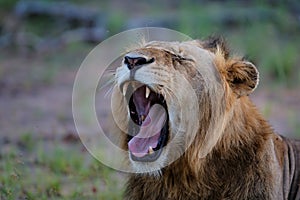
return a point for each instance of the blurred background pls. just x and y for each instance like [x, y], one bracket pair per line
[43, 42]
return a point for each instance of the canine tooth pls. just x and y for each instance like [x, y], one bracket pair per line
[143, 117]
[125, 89]
[147, 92]
[150, 150]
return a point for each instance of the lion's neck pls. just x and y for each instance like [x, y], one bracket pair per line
[241, 146]
[237, 159]
[244, 129]
[245, 126]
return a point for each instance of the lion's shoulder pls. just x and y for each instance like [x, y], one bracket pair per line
[291, 168]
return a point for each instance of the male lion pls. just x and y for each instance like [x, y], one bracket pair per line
[192, 131]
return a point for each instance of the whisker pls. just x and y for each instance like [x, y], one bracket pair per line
[108, 81]
[168, 91]
[111, 71]
[108, 92]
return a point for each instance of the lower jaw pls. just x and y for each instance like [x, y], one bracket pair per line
[156, 154]
[147, 158]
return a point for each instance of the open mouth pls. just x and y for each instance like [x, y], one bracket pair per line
[148, 127]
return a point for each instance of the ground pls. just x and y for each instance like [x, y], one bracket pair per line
[41, 156]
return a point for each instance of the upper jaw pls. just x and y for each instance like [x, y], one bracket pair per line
[132, 85]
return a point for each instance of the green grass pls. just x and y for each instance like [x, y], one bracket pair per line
[40, 169]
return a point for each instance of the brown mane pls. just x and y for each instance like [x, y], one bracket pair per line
[248, 160]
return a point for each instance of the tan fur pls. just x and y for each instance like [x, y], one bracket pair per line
[233, 152]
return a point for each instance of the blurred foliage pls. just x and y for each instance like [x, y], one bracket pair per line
[116, 22]
[42, 26]
[7, 4]
[266, 35]
[267, 32]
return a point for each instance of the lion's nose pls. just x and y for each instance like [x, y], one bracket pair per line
[132, 62]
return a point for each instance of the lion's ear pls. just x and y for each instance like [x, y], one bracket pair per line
[243, 77]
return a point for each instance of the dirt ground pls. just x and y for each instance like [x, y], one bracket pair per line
[34, 107]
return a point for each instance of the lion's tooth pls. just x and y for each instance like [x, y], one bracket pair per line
[147, 92]
[150, 150]
[125, 87]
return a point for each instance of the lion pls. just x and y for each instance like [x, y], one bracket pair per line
[191, 130]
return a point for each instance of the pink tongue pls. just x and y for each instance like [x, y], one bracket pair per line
[149, 132]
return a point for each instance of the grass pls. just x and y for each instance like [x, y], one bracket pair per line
[34, 168]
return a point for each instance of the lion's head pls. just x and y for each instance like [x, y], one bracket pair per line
[174, 99]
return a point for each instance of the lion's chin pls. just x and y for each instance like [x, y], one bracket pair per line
[151, 155]
[152, 168]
